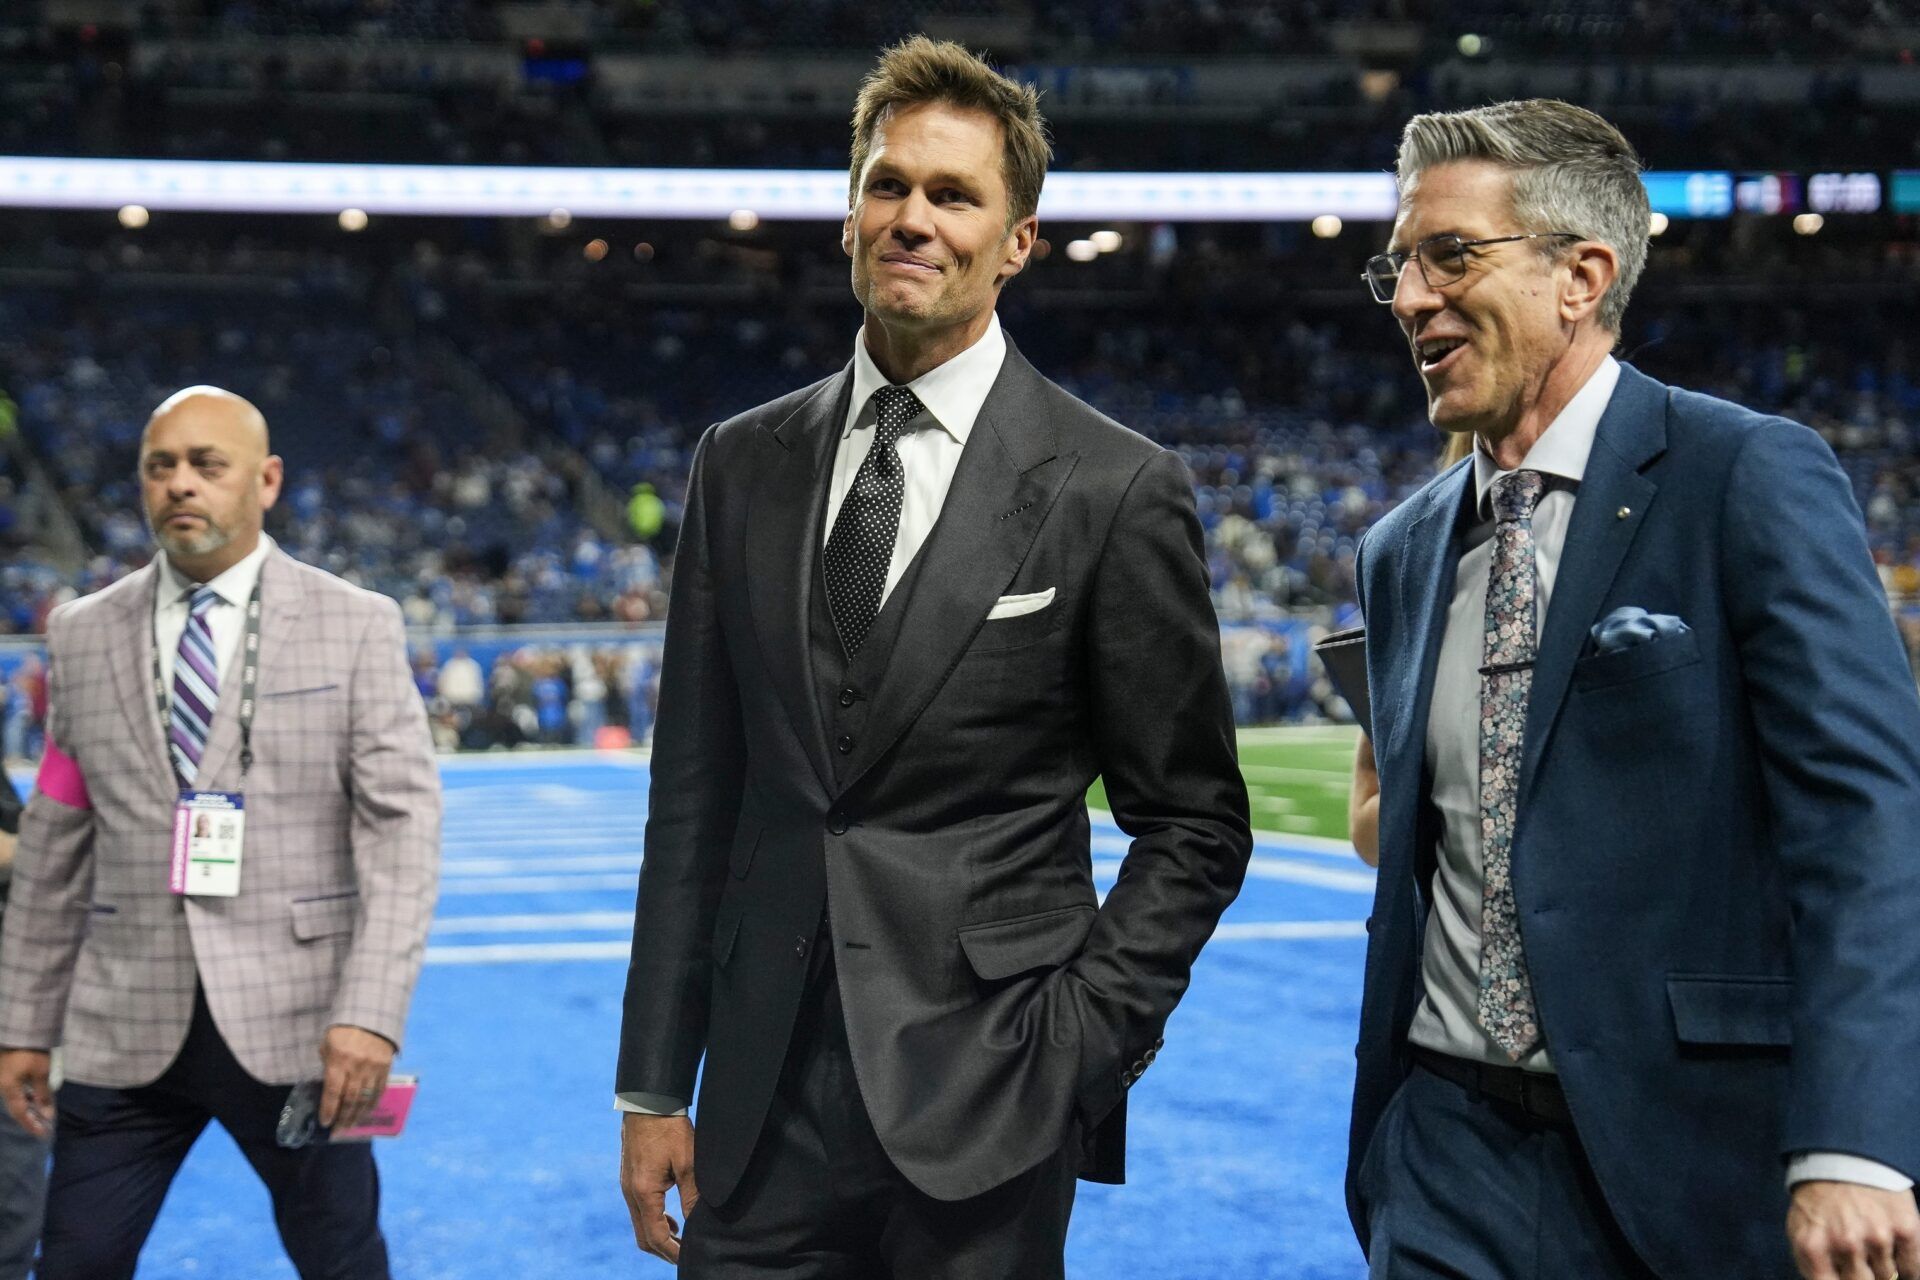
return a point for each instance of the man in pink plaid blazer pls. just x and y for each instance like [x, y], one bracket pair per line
[175, 1008]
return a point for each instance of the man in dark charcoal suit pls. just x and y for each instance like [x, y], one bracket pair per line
[917, 609]
[1643, 984]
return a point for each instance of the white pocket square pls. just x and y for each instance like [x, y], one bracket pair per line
[1014, 606]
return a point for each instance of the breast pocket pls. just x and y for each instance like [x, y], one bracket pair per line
[1604, 670]
[1020, 629]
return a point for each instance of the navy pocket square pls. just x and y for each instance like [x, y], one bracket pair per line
[1629, 626]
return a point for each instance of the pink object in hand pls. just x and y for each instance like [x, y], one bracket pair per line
[389, 1114]
[60, 779]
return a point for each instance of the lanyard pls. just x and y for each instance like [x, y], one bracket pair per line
[249, 678]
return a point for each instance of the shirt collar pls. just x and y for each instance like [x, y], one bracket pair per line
[1563, 448]
[235, 586]
[952, 392]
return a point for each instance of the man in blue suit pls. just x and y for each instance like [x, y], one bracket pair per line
[1643, 982]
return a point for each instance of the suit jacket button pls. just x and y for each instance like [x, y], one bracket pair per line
[837, 823]
[847, 696]
[845, 744]
[800, 948]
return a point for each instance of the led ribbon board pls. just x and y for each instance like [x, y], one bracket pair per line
[236, 186]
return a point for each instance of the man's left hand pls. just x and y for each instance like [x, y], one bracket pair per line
[357, 1063]
[1845, 1231]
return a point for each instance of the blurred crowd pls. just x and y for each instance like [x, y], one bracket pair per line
[382, 80]
[1124, 26]
[579, 693]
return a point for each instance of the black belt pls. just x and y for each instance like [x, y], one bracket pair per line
[1537, 1093]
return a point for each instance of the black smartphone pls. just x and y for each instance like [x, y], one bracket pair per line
[300, 1117]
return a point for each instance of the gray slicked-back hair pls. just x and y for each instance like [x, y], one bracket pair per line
[1572, 171]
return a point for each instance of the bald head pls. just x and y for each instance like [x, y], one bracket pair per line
[215, 409]
[207, 478]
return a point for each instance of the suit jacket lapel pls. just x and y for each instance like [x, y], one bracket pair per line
[1428, 566]
[1007, 480]
[784, 512]
[1612, 504]
[132, 680]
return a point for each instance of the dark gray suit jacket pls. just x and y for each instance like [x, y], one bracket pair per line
[991, 1000]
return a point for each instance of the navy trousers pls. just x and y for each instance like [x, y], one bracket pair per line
[1463, 1187]
[115, 1152]
[821, 1201]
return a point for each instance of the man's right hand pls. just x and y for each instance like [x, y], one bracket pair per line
[656, 1152]
[26, 1088]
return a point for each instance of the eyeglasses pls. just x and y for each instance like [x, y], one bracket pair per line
[1442, 258]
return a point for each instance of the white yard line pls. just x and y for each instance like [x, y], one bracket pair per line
[557, 862]
[560, 920]
[462, 887]
[1281, 930]
[534, 952]
[527, 952]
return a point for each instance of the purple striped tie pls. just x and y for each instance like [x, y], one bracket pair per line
[196, 688]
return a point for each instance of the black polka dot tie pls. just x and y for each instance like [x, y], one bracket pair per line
[860, 548]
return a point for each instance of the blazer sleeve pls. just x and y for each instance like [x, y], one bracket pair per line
[698, 768]
[395, 832]
[46, 916]
[1838, 723]
[1164, 740]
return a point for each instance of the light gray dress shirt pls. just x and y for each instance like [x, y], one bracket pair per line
[952, 394]
[1446, 1020]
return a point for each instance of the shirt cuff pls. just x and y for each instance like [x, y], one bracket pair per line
[649, 1104]
[1833, 1166]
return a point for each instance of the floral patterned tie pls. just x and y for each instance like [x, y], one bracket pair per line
[1505, 1007]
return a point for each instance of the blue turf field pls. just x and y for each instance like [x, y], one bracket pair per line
[507, 1172]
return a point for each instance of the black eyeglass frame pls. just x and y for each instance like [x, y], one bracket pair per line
[1397, 260]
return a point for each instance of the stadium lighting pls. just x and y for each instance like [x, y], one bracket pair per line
[595, 251]
[1808, 224]
[353, 219]
[743, 219]
[133, 217]
[1106, 241]
[1472, 46]
[558, 196]
[1327, 226]
[1082, 250]
[1658, 224]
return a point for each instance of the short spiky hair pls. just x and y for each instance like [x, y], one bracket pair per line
[1572, 171]
[919, 70]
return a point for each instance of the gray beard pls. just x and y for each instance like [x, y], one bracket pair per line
[200, 544]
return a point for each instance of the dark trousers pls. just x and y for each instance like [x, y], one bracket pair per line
[821, 1200]
[115, 1152]
[1459, 1186]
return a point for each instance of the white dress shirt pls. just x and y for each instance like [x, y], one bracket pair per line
[930, 450]
[227, 619]
[1446, 1020]
[952, 394]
